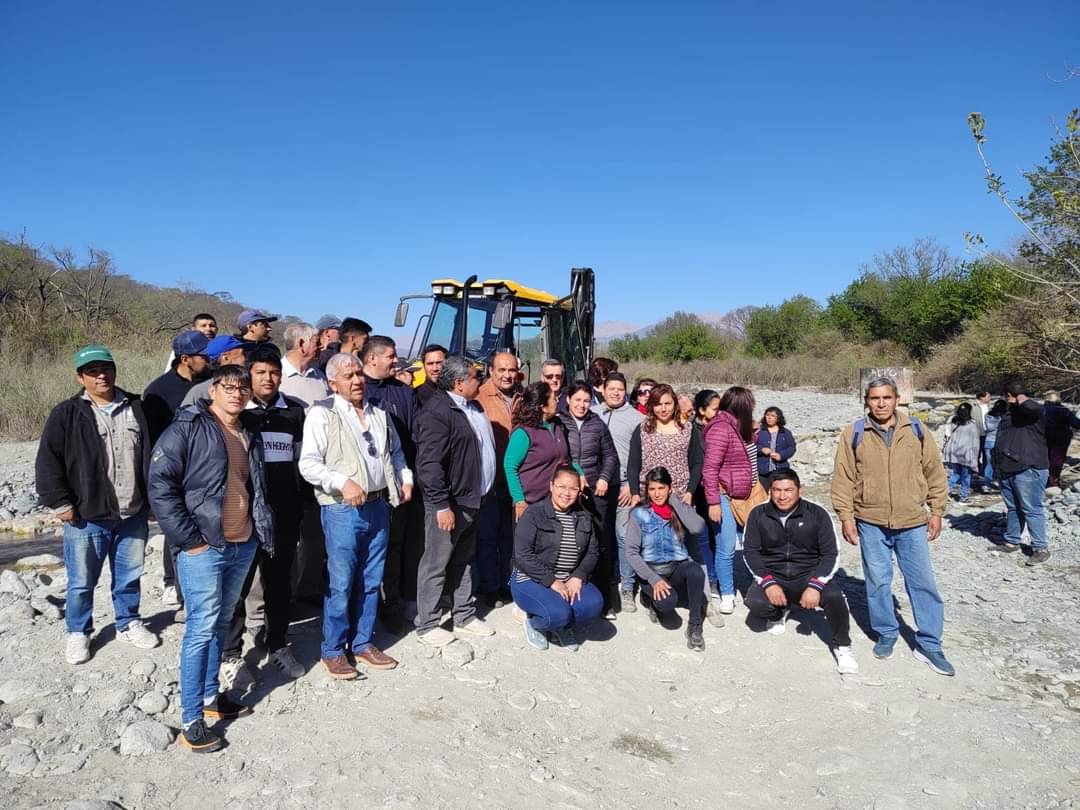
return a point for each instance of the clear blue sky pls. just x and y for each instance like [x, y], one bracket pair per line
[315, 157]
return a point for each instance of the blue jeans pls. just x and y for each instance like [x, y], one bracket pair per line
[626, 571]
[86, 547]
[549, 611]
[727, 536]
[494, 541]
[960, 474]
[988, 468]
[877, 544]
[212, 583]
[1023, 495]
[356, 540]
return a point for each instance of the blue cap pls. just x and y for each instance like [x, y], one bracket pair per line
[190, 343]
[328, 322]
[249, 316]
[221, 344]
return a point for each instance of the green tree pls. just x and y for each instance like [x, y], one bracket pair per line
[780, 331]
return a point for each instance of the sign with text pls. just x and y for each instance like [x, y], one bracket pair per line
[902, 376]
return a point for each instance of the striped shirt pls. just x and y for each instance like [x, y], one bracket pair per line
[752, 454]
[567, 561]
[236, 510]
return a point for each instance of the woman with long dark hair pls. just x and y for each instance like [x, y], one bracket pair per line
[538, 445]
[961, 451]
[728, 472]
[775, 444]
[663, 439]
[660, 542]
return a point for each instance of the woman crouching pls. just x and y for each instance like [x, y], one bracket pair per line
[657, 550]
[554, 553]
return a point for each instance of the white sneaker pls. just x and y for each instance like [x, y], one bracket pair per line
[777, 628]
[474, 627]
[284, 660]
[712, 612]
[77, 649]
[845, 661]
[234, 674]
[170, 597]
[137, 635]
[519, 615]
[436, 637]
[727, 603]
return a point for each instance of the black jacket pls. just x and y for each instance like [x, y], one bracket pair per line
[161, 399]
[396, 398]
[592, 447]
[1060, 423]
[280, 429]
[803, 547]
[187, 482]
[537, 538]
[448, 460]
[1021, 439]
[71, 459]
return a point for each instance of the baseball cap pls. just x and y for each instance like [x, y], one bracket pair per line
[221, 344]
[249, 316]
[190, 343]
[90, 354]
[328, 322]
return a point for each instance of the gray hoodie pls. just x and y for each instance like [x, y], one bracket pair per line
[621, 422]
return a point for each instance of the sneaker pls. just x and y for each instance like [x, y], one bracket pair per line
[340, 669]
[225, 708]
[695, 640]
[536, 638]
[883, 647]
[1038, 556]
[519, 615]
[234, 674]
[845, 661]
[77, 649]
[714, 590]
[777, 627]
[474, 627]
[627, 599]
[610, 615]
[137, 635]
[284, 660]
[436, 637]
[169, 597]
[727, 603]
[566, 639]
[712, 612]
[935, 660]
[1009, 548]
[198, 739]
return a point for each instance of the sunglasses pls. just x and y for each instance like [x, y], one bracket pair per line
[371, 451]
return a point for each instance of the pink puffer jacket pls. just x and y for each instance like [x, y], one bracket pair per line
[727, 466]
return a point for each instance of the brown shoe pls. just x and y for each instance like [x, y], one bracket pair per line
[374, 658]
[339, 668]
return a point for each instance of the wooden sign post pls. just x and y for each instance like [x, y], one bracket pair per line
[902, 376]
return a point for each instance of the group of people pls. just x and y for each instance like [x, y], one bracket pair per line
[323, 467]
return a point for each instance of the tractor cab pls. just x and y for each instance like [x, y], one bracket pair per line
[478, 318]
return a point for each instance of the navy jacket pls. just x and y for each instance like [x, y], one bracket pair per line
[785, 446]
[537, 538]
[188, 469]
[448, 461]
[1021, 439]
[397, 399]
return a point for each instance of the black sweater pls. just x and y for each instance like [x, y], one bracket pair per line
[1021, 439]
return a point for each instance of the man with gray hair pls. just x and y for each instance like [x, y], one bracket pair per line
[888, 475]
[352, 456]
[455, 461]
[301, 378]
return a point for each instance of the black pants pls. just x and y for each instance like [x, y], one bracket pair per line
[605, 574]
[309, 568]
[168, 568]
[832, 602]
[275, 572]
[446, 569]
[403, 553]
[686, 581]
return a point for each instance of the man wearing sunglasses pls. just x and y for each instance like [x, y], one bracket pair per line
[352, 455]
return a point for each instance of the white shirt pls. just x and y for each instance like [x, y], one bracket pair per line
[308, 386]
[313, 451]
[478, 420]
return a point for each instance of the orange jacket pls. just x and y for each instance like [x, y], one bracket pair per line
[500, 415]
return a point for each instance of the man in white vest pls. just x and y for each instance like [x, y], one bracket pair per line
[352, 456]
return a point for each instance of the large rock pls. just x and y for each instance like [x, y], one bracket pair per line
[153, 703]
[40, 561]
[15, 690]
[145, 737]
[18, 759]
[12, 583]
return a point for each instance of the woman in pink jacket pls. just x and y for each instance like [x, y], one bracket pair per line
[728, 473]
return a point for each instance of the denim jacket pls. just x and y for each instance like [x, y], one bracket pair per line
[651, 540]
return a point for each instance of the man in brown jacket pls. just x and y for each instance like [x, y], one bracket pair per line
[495, 542]
[888, 473]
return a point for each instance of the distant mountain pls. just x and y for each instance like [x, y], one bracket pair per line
[733, 322]
[612, 329]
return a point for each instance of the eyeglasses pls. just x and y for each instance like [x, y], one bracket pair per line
[233, 389]
[371, 451]
[567, 490]
[552, 376]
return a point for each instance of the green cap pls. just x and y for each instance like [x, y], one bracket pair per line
[90, 354]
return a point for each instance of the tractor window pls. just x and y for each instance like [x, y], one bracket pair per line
[528, 343]
[444, 324]
[445, 327]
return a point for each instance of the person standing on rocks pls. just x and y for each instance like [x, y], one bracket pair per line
[1022, 462]
[455, 462]
[992, 420]
[208, 490]
[91, 470]
[961, 451]
[776, 445]
[495, 537]
[790, 549]
[622, 420]
[887, 473]
[555, 550]
[1060, 424]
[352, 456]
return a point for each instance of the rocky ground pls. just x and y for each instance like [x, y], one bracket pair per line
[634, 718]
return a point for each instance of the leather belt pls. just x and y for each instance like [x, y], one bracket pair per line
[377, 495]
